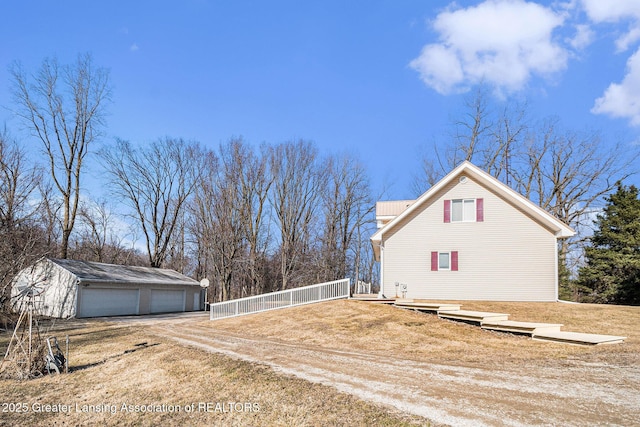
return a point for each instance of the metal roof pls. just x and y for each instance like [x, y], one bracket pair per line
[87, 271]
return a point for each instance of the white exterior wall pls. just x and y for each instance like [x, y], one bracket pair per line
[62, 295]
[507, 257]
[58, 298]
[145, 294]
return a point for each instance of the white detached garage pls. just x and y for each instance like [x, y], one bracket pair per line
[68, 288]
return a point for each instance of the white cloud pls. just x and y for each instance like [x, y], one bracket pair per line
[583, 38]
[626, 40]
[614, 11]
[622, 100]
[499, 42]
[611, 10]
[134, 47]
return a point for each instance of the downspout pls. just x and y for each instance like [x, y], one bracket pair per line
[75, 307]
[381, 293]
[557, 278]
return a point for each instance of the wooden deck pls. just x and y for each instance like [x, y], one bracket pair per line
[475, 317]
[372, 298]
[526, 328]
[578, 338]
[500, 322]
[435, 307]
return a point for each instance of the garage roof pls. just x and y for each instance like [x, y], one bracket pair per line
[87, 271]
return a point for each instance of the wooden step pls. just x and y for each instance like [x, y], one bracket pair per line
[427, 306]
[526, 328]
[578, 338]
[372, 298]
[475, 317]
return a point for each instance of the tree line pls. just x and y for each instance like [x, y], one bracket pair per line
[255, 219]
[251, 219]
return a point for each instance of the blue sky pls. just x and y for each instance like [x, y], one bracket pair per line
[382, 79]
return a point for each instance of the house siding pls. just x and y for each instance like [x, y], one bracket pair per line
[506, 257]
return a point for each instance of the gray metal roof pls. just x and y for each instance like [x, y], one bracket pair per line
[87, 271]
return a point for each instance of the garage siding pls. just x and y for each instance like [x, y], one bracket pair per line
[97, 302]
[167, 300]
[73, 288]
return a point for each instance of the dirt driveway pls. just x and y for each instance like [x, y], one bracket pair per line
[560, 393]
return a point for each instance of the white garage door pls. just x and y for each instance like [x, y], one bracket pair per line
[167, 300]
[95, 302]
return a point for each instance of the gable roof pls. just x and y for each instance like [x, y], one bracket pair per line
[87, 271]
[560, 229]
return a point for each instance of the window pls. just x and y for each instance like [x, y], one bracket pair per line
[443, 261]
[464, 210]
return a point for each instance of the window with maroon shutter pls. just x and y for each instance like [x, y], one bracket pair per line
[464, 210]
[447, 211]
[479, 210]
[444, 261]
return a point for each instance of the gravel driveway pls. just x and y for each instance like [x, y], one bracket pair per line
[563, 393]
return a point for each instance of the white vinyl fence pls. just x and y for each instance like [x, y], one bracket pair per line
[281, 299]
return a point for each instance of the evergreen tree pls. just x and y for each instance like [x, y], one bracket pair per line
[612, 270]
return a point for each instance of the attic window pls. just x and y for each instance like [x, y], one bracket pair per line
[464, 210]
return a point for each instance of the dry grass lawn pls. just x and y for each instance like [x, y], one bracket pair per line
[112, 366]
[116, 364]
[405, 333]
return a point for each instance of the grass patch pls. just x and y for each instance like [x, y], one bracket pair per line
[125, 364]
[120, 375]
[404, 333]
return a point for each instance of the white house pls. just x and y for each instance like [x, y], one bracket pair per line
[66, 288]
[469, 237]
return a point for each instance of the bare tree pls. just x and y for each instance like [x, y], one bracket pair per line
[486, 136]
[567, 174]
[218, 212]
[255, 182]
[156, 181]
[64, 107]
[347, 209]
[298, 181]
[564, 172]
[101, 237]
[21, 240]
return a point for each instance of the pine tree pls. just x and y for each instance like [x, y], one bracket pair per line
[612, 270]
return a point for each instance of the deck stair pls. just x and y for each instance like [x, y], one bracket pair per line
[577, 338]
[373, 298]
[474, 317]
[500, 322]
[525, 328]
[426, 306]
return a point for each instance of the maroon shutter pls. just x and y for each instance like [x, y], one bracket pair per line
[447, 211]
[479, 210]
[434, 261]
[454, 260]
